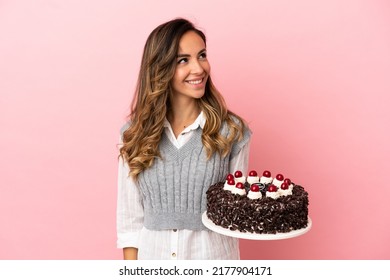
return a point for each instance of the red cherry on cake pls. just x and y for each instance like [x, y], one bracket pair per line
[253, 173]
[240, 185]
[255, 188]
[287, 181]
[238, 174]
[279, 177]
[229, 177]
[284, 186]
[231, 182]
[272, 188]
[267, 174]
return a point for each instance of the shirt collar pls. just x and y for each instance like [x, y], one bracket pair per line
[199, 122]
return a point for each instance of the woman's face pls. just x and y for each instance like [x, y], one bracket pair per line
[192, 68]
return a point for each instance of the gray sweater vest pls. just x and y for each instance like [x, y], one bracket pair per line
[174, 187]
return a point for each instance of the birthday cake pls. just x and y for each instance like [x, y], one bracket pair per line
[262, 205]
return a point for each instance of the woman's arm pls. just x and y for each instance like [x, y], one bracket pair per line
[241, 160]
[130, 212]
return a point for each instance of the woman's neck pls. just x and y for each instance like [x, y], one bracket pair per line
[182, 115]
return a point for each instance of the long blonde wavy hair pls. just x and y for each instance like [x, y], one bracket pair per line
[151, 102]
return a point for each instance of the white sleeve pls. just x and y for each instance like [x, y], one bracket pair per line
[241, 160]
[130, 211]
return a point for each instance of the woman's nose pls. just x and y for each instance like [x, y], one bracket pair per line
[196, 67]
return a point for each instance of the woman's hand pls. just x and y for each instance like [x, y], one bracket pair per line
[130, 253]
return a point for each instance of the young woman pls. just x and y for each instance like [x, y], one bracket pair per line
[179, 140]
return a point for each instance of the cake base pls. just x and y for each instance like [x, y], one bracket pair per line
[254, 236]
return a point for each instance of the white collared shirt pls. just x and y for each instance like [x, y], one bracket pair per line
[170, 244]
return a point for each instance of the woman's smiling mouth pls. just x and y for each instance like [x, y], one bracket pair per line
[195, 82]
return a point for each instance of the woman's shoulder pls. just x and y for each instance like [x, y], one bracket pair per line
[238, 121]
[124, 128]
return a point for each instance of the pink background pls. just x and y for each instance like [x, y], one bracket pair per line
[311, 78]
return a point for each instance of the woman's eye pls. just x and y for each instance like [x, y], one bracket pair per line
[183, 60]
[203, 55]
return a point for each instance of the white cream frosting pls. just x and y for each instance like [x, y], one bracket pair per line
[253, 179]
[265, 180]
[228, 187]
[239, 191]
[277, 182]
[285, 192]
[273, 195]
[254, 195]
[240, 180]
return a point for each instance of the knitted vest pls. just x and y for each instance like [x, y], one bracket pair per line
[174, 187]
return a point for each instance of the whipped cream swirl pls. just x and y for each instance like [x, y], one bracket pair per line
[254, 195]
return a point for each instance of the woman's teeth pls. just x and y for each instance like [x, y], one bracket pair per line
[195, 82]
